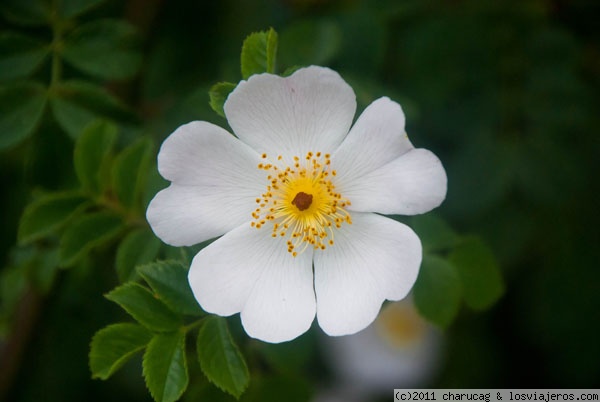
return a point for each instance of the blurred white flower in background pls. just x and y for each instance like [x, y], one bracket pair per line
[399, 350]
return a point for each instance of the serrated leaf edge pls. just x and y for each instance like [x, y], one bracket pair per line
[135, 284]
[145, 367]
[236, 350]
[140, 270]
[270, 38]
[120, 362]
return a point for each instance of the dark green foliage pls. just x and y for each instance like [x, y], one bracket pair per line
[92, 156]
[21, 108]
[49, 213]
[139, 247]
[479, 273]
[310, 42]
[129, 172]
[76, 104]
[20, 55]
[87, 232]
[104, 48]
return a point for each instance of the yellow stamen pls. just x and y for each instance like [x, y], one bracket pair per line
[302, 202]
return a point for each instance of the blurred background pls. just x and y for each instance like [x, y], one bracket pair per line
[506, 93]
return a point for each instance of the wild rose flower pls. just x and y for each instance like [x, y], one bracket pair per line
[296, 198]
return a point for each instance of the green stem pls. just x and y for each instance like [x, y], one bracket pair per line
[131, 218]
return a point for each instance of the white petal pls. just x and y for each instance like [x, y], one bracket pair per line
[376, 138]
[188, 215]
[215, 184]
[311, 110]
[373, 259]
[250, 272]
[201, 153]
[412, 184]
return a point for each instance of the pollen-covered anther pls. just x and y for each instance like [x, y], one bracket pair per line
[301, 201]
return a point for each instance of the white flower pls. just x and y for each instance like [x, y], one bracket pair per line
[401, 350]
[296, 198]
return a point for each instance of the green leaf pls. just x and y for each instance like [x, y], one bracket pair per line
[73, 8]
[169, 280]
[437, 291]
[106, 49]
[47, 214]
[92, 155]
[21, 108]
[479, 272]
[129, 172]
[39, 266]
[20, 55]
[220, 358]
[259, 52]
[85, 233]
[76, 104]
[138, 247]
[154, 183]
[434, 232]
[310, 42]
[114, 345]
[290, 70]
[165, 367]
[26, 12]
[218, 95]
[44, 269]
[144, 307]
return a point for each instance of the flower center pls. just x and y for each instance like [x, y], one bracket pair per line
[301, 202]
